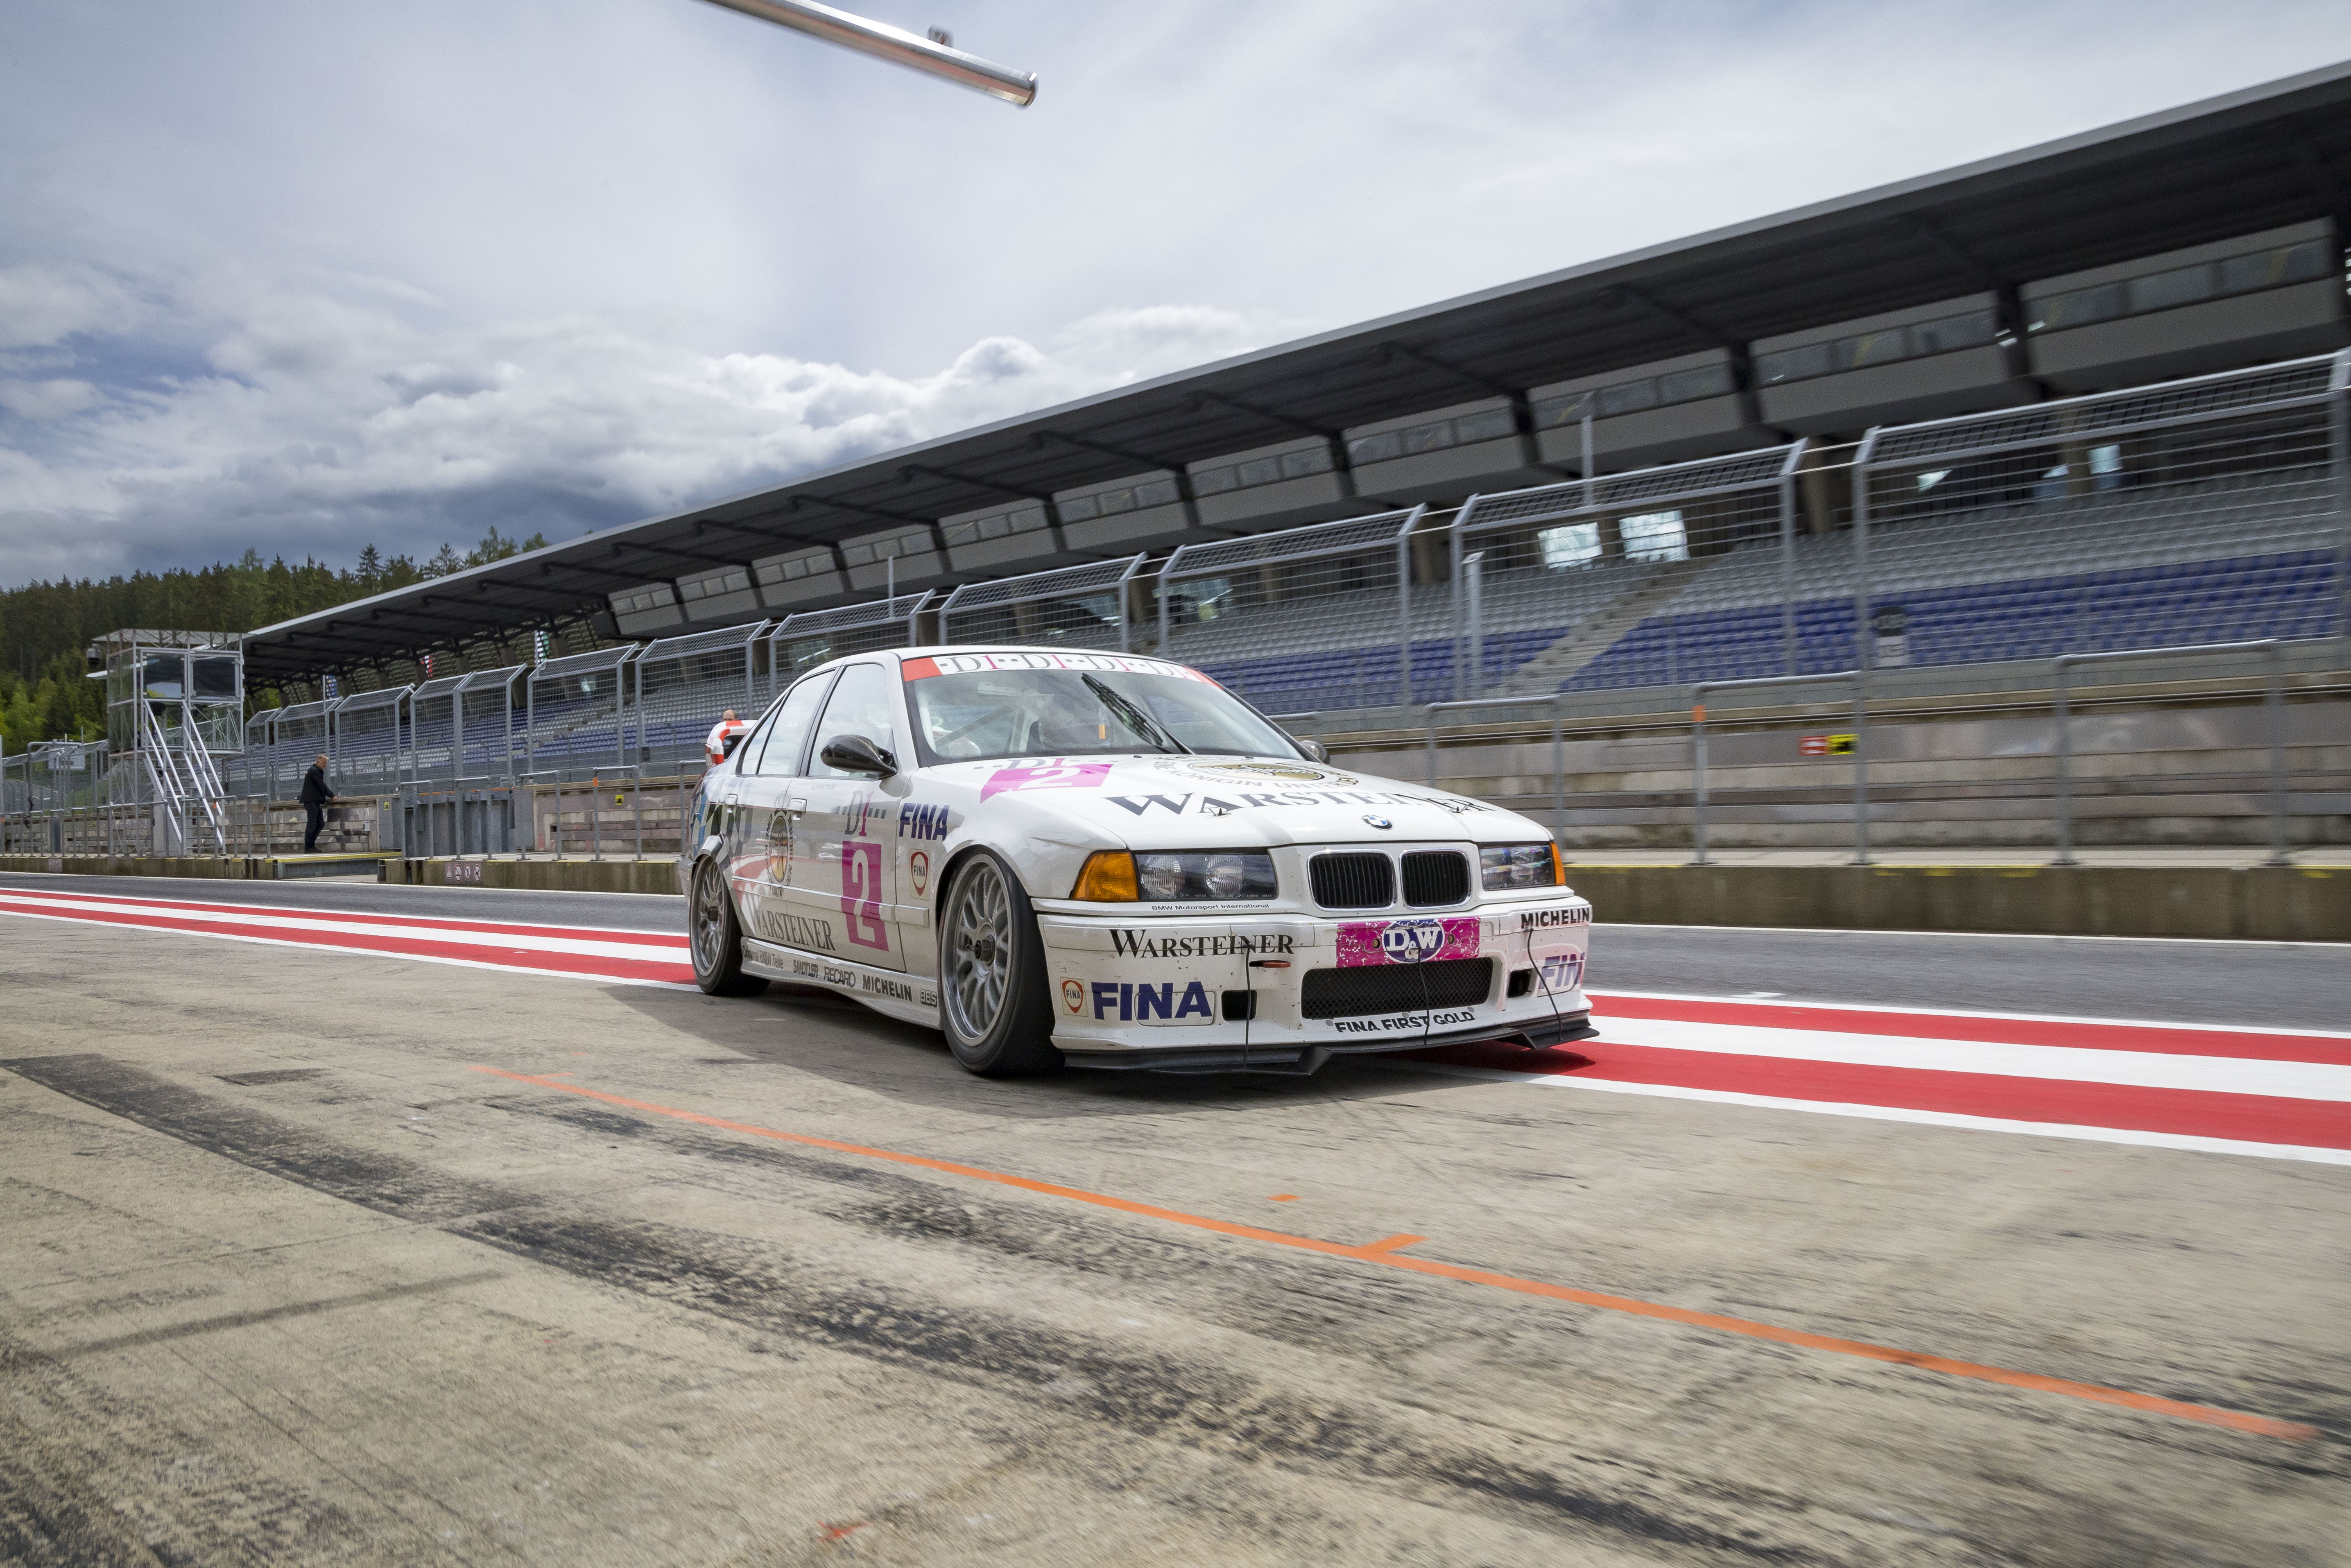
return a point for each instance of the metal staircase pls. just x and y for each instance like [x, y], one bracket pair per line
[184, 780]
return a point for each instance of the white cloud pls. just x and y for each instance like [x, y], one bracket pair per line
[46, 399]
[305, 276]
[321, 423]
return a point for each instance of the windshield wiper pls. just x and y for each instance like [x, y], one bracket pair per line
[1134, 717]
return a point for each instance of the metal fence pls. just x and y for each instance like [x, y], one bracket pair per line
[369, 744]
[1309, 618]
[1089, 606]
[803, 642]
[679, 685]
[1553, 586]
[576, 714]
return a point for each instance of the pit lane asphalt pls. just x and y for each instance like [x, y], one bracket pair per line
[284, 1279]
[2268, 985]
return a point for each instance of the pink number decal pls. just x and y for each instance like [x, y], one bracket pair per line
[861, 888]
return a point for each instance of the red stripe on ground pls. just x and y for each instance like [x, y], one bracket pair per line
[1989, 1028]
[584, 964]
[2193, 1113]
[442, 923]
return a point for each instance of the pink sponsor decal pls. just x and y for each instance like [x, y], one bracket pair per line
[1056, 774]
[1416, 941]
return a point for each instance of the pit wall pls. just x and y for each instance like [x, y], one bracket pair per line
[2274, 904]
[2159, 777]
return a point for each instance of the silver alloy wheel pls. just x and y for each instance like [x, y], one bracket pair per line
[710, 930]
[979, 950]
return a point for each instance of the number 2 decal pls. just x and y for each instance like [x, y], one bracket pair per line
[861, 888]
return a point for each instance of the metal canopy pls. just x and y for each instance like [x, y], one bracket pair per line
[2255, 160]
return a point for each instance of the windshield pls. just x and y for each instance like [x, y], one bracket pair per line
[968, 706]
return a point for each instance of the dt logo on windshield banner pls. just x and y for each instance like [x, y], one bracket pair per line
[1363, 942]
[860, 893]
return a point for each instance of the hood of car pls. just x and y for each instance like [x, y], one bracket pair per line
[1224, 801]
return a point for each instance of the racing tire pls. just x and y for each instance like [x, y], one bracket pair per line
[715, 936]
[993, 1004]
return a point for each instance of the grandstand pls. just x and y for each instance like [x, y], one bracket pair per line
[2087, 397]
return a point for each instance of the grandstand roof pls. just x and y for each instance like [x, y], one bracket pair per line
[2258, 159]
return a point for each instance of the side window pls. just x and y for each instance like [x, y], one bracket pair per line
[787, 735]
[861, 705]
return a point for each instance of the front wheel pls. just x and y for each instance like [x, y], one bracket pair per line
[717, 937]
[992, 1003]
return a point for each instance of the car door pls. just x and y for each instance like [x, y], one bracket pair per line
[843, 878]
[772, 802]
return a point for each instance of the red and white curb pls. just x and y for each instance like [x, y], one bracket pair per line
[2264, 1092]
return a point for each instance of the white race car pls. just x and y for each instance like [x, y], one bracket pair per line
[1056, 856]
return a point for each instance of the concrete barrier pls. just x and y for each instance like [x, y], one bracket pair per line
[2276, 904]
[545, 876]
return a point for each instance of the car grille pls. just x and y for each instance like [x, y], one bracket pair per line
[1432, 877]
[1396, 987]
[1352, 881]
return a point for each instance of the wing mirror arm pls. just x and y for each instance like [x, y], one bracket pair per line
[855, 754]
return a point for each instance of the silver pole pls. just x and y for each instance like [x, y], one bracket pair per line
[2065, 762]
[932, 56]
[1698, 770]
[1558, 773]
[1474, 587]
[2275, 702]
[2338, 432]
[1860, 768]
[1788, 566]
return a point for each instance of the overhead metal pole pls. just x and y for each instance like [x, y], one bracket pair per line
[933, 56]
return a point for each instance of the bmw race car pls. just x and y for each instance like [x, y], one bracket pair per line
[1056, 856]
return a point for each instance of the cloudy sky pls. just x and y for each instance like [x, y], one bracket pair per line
[305, 276]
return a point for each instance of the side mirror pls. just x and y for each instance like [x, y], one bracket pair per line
[855, 754]
[726, 747]
[1315, 749]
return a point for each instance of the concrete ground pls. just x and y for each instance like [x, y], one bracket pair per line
[284, 1279]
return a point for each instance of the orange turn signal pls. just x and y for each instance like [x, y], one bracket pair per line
[1108, 878]
[1558, 867]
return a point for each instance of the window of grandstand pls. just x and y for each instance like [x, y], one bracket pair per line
[657, 597]
[1463, 430]
[735, 580]
[1633, 397]
[996, 526]
[1201, 600]
[1576, 544]
[793, 567]
[1655, 535]
[2274, 267]
[1258, 471]
[1970, 329]
[883, 547]
[1124, 498]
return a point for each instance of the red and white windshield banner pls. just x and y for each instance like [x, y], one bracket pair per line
[923, 668]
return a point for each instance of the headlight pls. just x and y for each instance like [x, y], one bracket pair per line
[1166, 875]
[1507, 866]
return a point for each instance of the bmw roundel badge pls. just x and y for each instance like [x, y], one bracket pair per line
[1379, 822]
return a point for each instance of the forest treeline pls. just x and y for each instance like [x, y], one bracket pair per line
[44, 627]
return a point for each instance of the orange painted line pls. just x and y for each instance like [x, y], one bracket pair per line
[1283, 1197]
[1376, 1248]
[2235, 1420]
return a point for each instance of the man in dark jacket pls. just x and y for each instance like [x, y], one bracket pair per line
[314, 796]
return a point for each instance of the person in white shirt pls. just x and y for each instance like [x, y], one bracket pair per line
[725, 730]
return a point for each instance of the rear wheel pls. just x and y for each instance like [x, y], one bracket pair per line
[717, 937]
[992, 1001]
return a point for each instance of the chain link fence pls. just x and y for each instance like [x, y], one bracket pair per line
[1090, 606]
[1305, 619]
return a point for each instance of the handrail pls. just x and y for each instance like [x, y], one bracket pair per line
[2273, 704]
[1860, 752]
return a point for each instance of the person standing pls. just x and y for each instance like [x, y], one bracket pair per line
[724, 731]
[314, 796]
